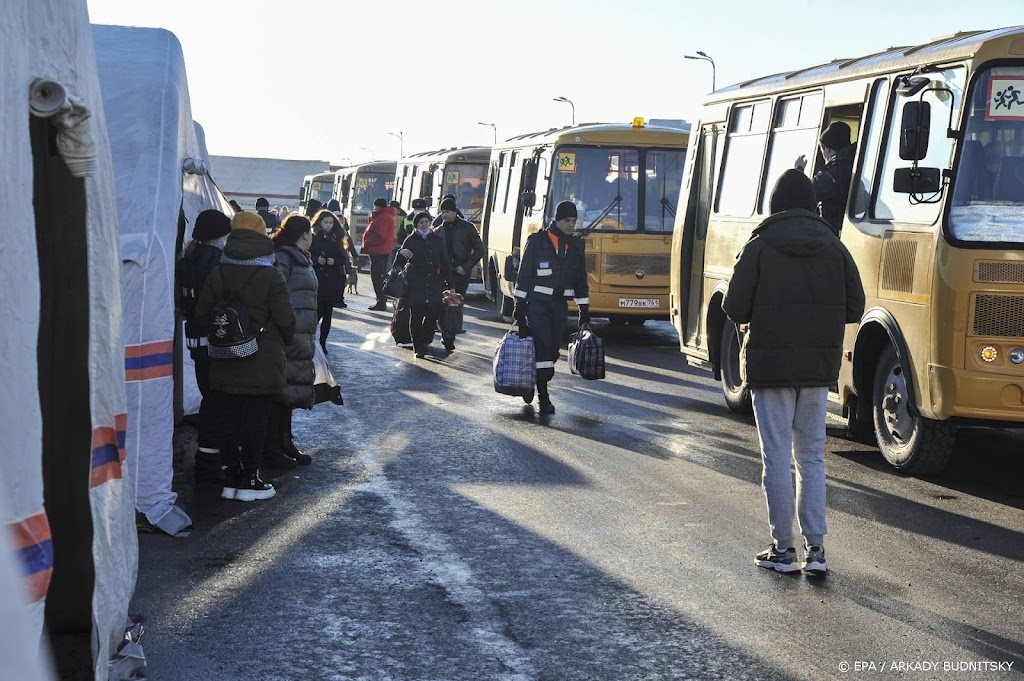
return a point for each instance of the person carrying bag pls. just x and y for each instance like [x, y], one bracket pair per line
[514, 365]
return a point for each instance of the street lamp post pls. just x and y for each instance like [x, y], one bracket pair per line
[401, 143]
[493, 127]
[704, 57]
[368, 151]
[569, 102]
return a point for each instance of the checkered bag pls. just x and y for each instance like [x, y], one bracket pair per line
[515, 365]
[586, 354]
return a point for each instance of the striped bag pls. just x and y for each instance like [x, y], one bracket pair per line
[515, 368]
[586, 354]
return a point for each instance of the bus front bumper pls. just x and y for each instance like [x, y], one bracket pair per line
[631, 304]
[975, 395]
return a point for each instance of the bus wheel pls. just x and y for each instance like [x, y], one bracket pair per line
[637, 321]
[735, 391]
[502, 304]
[617, 319]
[912, 444]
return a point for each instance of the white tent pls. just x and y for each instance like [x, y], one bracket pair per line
[162, 185]
[63, 408]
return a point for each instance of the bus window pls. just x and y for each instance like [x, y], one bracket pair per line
[989, 184]
[892, 206]
[468, 182]
[795, 133]
[369, 187]
[664, 177]
[864, 178]
[603, 183]
[497, 181]
[741, 166]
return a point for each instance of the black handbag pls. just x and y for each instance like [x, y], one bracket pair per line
[395, 285]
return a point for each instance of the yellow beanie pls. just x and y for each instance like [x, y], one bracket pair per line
[250, 221]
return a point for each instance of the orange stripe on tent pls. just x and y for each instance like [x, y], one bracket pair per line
[38, 584]
[30, 531]
[103, 474]
[148, 373]
[149, 348]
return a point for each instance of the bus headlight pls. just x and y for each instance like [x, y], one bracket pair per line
[1017, 355]
[989, 354]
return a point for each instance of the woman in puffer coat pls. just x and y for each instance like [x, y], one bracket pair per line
[331, 268]
[292, 241]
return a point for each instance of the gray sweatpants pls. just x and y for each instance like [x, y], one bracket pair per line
[791, 425]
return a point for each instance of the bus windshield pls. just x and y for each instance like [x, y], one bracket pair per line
[468, 182]
[603, 183]
[988, 194]
[368, 188]
[321, 191]
[664, 170]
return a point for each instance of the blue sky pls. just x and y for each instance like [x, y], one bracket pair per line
[326, 79]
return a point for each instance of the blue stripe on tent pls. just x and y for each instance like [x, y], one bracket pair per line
[161, 359]
[105, 454]
[37, 557]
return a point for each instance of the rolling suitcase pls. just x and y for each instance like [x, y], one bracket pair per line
[400, 323]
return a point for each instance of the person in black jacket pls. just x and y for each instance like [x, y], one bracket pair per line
[428, 275]
[793, 289]
[832, 182]
[200, 258]
[552, 270]
[331, 266]
[464, 249]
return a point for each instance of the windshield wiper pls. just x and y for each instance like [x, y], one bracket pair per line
[604, 213]
[668, 206]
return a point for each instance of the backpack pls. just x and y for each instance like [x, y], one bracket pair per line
[190, 275]
[231, 334]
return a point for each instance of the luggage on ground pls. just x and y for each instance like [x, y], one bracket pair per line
[450, 322]
[515, 365]
[586, 354]
[400, 323]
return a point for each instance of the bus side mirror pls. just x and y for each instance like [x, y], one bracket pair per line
[916, 180]
[529, 199]
[914, 130]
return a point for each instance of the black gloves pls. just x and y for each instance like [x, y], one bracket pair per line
[584, 315]
[519, 313]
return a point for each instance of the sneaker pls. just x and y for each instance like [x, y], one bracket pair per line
[814, 561]
[252, 488]
[774, 559]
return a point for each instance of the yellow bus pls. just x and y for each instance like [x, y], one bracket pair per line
[934, 220]
[356, 188]
[460, 171]
[319, 187]
[624, 180]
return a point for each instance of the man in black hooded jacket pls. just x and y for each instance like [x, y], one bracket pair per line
[795, 287]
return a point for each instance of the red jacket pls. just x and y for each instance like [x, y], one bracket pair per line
[379, 237]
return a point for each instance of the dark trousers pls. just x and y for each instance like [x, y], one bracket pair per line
[210, 434]
[243, 426]
[423, 323]
[278, 423]
[378, 272]
[324, 316]
[547, 320]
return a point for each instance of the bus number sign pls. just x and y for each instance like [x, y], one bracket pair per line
[361, 183]
[316, 186]
[1005, 99]
[567, 162]
[452, 177]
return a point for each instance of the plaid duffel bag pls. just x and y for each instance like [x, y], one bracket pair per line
[586, 354]
[515, 365]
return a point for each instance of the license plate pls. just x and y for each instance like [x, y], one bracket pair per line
[639, 302]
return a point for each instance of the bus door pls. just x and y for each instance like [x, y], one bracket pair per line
[695, 231]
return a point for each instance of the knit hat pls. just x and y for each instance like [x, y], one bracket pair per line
[448, 196]
[419, 204]
[420, 216]
[448, 204]
[836, 136]
[793, 190]
[211, 224]
[262, 203]
[251, 221]
[380, 203]
[565, 209]
[334, 206]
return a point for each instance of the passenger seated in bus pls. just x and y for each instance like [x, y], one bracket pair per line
[832, 182]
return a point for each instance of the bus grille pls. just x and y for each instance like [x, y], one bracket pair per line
[999, 272]
[591, 262]
[1000, 316]
[631, 264]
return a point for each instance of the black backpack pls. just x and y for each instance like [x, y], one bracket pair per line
[231, 334]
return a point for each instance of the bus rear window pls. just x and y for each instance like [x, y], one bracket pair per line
[988, 189]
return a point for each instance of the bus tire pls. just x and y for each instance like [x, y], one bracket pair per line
[617, 319]
[502, 304]
[637, 321]
[734, 388]
[914, 445]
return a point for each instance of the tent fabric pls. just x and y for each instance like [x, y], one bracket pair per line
[163, 183]
[30, 34]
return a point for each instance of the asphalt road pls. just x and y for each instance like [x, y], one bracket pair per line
[448, 532]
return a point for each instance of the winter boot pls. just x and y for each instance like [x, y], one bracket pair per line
[232, 479]
[288, 445]
[274, 456]
[545, 400]
[252, 488]
[208, 469]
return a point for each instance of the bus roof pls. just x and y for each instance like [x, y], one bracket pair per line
[602, 133]
[468, 154]
[369, 167]
[947, 48]
[320, 177]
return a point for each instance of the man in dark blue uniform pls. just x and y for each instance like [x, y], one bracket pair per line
[552, 270]
[832, 182]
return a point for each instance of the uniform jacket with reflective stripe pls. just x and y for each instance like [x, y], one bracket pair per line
[543, 275]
